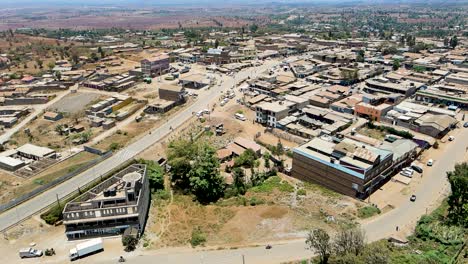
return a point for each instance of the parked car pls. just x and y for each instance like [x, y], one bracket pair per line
[413, 198]
[430, 162]
[30, 253]
[451, 138]
[406, 174]
[416, 167]
[465, 124]
[409, 170]
[240, 117]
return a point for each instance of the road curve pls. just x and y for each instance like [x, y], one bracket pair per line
[432, 188]
[30, 207]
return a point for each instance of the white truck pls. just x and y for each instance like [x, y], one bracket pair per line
[30, 253]
[86, 248]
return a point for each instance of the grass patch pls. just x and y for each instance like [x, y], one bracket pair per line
[272, 183]
[323, 190]
[368, 211]
[198, 237]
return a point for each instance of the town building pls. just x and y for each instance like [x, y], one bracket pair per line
[372, 112]
[269, 113]
[118, 203]
[156, 65]
[348, 167]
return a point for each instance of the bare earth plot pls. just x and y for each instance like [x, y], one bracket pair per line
[74, 103]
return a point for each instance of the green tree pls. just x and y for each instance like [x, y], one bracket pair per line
[205, 180]
[155, 176]
[418, 68]
[58, 75]
[129, 242]
[318, 240]
[101, 52]
[246, 159]
[458, 199]
[360, 56]
[238, 176]
[349, 241]
[179, 157]
[75, 58]
[376, 253]
[253, 28]
[266, 158]
[51, 65]
[94, 57]
[396, 65]
[454, 42]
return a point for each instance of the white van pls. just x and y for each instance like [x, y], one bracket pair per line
[240, 117]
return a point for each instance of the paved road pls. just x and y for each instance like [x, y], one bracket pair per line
[205, 97]
[433, 186]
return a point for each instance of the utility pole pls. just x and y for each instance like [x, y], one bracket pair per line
[58, 200]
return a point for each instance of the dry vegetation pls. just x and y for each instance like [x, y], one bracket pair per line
[12, 186]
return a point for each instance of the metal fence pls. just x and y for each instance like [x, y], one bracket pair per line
[74, 194]
[42, 188]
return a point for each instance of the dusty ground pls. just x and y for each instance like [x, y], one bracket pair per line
[13, 186]
[281, 215]
[42, 132]
[76, 102]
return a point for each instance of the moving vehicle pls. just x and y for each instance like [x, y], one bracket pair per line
[240, 117]
[268, 247]
[430, 162]
[86, 248]
[30, 253]
[451, 138]
[413, 198]
[184, 70]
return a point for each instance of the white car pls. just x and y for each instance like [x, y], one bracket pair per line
[406, 174]
[451, 138]
[409, 170]
[430, 162]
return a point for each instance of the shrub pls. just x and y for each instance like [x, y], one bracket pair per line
[114, 146]
[162, 194]
[129, 242]
[198, 237]
[301, 192]
[53, 215]
[256, 201]
[368, 211]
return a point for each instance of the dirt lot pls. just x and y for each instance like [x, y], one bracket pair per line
[273, 212]
[75, 102]
[373, 133]
[14, 186]
[279, 212]
[43, 132]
